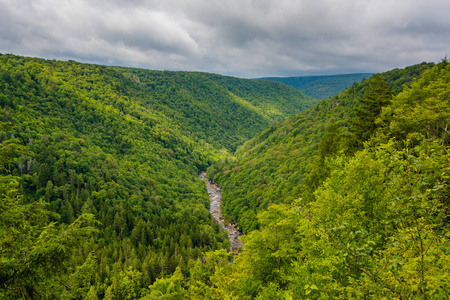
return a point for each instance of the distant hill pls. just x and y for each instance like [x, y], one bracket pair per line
[223, 111]
[321, 87]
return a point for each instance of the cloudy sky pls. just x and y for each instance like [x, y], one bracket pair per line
[245, 38]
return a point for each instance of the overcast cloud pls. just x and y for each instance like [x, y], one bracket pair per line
[243, 38]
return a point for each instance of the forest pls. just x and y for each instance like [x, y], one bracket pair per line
[99, 188]
[277, 164]
[349, 199]
[346, 198]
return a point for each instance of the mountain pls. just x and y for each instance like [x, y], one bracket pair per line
[321, 87]
[332, 213]
[223, 111]
[271, 167]
[99, 188]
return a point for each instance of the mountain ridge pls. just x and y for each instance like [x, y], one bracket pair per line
[321, 86]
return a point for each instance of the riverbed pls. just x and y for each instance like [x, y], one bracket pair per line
[215, 197]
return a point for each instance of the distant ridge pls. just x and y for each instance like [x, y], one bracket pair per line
[321, 87]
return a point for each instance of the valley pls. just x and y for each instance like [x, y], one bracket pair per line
[126, 183]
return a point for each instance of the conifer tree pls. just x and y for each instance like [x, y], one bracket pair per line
[369, 107]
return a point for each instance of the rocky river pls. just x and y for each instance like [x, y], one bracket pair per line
[216, 201]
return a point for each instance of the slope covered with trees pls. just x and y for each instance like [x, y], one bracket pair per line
[273, 166]
[223, 111]
[375, 226]
[99, 195]
[322, 87]
[99, 189]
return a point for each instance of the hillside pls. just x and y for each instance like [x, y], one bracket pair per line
[362, 185]
[321, 87]
[223, 111]
[99, 188]
[271, 167]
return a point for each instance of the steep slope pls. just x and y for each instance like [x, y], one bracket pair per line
[223, 111]
[321, 87]
[271, 168]
[80, 143]
[378, 224]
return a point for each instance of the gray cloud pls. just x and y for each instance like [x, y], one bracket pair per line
[247, 38]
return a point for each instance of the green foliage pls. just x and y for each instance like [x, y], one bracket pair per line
[223, 111]
[384, 212]
[329, 147]
[288, 160]
[99, 195]
[421, 109]
[378, 228]
[35, 253]
[371, 223]
[123, 146]
[170, 288]
[376, 96]
[269, 253]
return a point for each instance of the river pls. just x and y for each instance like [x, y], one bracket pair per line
[216, 201]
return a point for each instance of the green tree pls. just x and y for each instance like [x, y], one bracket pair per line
[169, 288]
[421, 109]
[328, 147]
[34, 252]
[376, 96]
[384, 213]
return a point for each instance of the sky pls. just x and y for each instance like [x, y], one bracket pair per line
[243, 38]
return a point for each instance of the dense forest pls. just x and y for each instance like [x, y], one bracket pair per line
[99, 188]
[100, 198]
[349, 199]
[322, 87]
[274, 165]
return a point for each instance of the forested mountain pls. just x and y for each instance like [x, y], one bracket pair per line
[99, 188]
[273, 166]
[223, 111]
[99, 195]
[359, 215]
[322, 87]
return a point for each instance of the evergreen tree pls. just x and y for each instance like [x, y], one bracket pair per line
[328, 147]
[363, 125]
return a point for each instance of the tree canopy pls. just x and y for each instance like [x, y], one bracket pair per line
[100, 196]
[99, 187]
